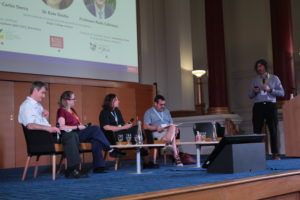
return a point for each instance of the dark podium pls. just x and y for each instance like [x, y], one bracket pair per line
[237, 153]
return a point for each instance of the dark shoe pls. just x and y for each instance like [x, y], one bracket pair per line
[150, 165]
[75, 173]
[117, 154]
[153, 165]
[146, 166]
[275, 157]
[99, 170]
[144, 152]
[83, 174]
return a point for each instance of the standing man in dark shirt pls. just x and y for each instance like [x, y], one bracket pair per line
[263, 91]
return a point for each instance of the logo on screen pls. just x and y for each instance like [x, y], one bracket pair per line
[56, 42]
[93, 46]
[1, 34]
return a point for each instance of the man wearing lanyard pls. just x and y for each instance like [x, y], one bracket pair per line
[158, 120]
[263, 91]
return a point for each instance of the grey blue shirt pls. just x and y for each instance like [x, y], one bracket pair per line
[156, 118]
[262, 96]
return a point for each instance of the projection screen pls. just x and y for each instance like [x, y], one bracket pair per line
[75, 38]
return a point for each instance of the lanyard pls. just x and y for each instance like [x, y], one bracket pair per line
[114, 114]
[74, 115]
[160, 117]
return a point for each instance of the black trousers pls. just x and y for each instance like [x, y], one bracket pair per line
[113, 136]
[266, 111]
[70, 142]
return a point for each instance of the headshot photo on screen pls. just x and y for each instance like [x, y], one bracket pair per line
[102, 9]
[58, 4]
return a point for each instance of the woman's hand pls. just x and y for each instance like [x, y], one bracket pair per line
[81, 127]
[127, 126]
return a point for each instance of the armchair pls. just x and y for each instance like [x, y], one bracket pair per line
[40, 143]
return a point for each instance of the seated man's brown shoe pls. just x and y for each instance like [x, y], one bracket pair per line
[275, 157]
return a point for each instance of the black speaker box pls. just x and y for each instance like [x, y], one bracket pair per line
[235, 158]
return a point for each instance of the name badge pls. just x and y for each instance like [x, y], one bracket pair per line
[164, 125]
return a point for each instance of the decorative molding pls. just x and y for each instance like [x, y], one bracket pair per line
[218, 110]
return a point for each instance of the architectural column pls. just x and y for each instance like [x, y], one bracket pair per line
[283, 46]
[217, 84]
[179, 60]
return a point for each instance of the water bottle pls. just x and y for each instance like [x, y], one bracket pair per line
[139, 134]
[198, 136]
[214, 134]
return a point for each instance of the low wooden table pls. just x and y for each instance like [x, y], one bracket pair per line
[139, 146]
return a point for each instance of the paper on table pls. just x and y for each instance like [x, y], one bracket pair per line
[167, 126]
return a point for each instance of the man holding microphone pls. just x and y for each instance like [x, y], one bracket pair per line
[263, 91]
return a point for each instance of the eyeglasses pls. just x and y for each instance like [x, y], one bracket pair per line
[72, 99]
[162, 104]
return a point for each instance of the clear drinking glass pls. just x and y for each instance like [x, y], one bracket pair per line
[120, 138]
[128, 137]
[203, 136]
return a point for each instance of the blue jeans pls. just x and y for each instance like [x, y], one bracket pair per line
[94, 135]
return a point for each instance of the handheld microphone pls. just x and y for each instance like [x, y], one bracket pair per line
[264, 81]
[131, 120]
[57, 135]
[88, 124]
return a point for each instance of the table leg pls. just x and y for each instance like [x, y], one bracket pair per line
[198, 155]
[138, 160]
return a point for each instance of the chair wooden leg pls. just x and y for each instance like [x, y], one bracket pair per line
[105, 155]
[66, 163]
[165, 158]
[53, 167]
[117, 164]
[82, 162]
[154, 155]
[62, 159]
[26, 168]
[36, 166]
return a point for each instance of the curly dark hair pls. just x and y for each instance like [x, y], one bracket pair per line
[261, 62]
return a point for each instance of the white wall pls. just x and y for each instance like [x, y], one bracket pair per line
[247, 39]
[166, 50]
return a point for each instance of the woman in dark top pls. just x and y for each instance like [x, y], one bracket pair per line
[113, 124]
[69, 120]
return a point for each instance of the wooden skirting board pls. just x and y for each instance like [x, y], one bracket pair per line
[277, 186]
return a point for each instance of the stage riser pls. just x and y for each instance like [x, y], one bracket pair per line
[280, 186]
